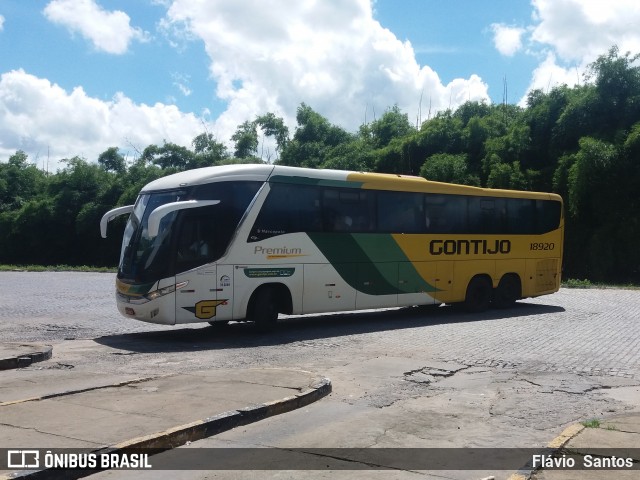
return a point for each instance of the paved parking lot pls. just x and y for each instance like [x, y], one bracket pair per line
[587, 331]
[411, 377]
[583, 331]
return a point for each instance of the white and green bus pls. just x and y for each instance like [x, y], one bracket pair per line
[247, 242]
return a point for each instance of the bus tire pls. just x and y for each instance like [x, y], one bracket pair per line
[479, 294]
[509, 290]
[264, 310]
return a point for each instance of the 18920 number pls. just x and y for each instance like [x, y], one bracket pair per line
[542, 246]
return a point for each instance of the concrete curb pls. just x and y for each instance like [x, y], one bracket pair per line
[190, 432]
[41, 353]
[525, 472]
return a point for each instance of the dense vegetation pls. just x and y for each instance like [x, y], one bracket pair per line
[582, 142]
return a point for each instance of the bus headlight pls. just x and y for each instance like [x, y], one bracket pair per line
[152, 295]
[165, 291]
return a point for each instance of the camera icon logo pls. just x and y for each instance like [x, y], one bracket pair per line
[23, 459]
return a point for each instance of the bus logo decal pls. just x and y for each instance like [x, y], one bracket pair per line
[205, 309]
[225, 281]
[469, 247]
[278, 253]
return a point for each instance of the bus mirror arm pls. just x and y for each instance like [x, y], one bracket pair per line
[110, 215]
[163, 210]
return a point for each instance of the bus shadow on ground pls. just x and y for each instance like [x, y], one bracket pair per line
[309, 327]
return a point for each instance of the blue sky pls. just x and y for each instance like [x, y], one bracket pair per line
[79, 76]
[456, 40]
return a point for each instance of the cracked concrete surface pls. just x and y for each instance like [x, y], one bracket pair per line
[407, 377]
[391, 402]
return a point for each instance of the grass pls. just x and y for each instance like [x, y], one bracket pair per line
[55, 268]
[593, 423]
[576, 283]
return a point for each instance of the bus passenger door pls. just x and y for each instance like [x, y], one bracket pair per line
[196, 301]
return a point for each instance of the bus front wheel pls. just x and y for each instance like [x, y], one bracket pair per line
[264, 310]
[479, 294]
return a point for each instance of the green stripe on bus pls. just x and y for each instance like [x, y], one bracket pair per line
[370, 263]
[383, 248]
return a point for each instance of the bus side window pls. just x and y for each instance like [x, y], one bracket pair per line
[487, 215]
[520, 216]
[288, 209]
[201, 238]
[347, 210]
[548, 213]
[401, 212]
[445, 213]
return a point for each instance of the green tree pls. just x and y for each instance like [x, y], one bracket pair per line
[450, 168]
[169, 156]
[112, 161]
[507, 176]
[393, 124]
[20, 181]
[355, 155]
[313, 140]
[273, 126]
[617, 88]
[541, 116]
[597, 210]
[207, 151]
[246, 140]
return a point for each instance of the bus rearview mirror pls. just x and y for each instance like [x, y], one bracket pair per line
[110, 215]
[163, 210]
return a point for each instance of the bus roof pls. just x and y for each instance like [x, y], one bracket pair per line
[297, 175]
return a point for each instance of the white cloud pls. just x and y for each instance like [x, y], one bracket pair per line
[507, 40]
[110, 32]
[181, 82]
[549, 74]
[1, 22]
[38, 116]
[568, 35]
[334, 56]
[580, 30]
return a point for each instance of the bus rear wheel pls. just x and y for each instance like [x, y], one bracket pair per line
[264, 310]
[509, 290]
[479, 294]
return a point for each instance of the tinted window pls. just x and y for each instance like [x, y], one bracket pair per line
[521, 216]
[205, 232]
[445, 213]
[309, 208]
[487, 215]
[348, 210]
[288, 208]
[548, 214]
[400, 212]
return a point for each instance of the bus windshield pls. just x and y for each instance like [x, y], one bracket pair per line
[186, 239]
[143, 258]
